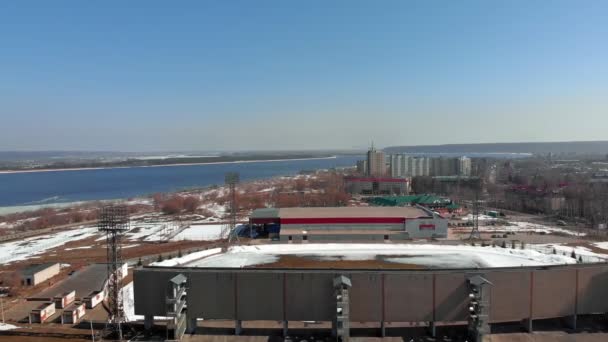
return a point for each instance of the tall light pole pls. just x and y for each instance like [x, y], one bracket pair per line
[232, 179]
[2, 307]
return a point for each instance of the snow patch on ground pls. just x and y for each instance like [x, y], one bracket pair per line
[434, 256]
[82, 247]
[29, 247]
[187, 258]
[129, 303]
[583, 252]
[6, 225]
[481, 218]
[602, 245]
[524, 227]
[6, 326]
[235, 260]
[206, 232]
[539, 228]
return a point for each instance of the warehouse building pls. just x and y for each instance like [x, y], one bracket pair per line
[352, 223]
[38, 273]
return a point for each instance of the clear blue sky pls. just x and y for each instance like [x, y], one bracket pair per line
[200, 75]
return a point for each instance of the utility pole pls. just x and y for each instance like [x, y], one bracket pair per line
[475, 231]
[2, 307]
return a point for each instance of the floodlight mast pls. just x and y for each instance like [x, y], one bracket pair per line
[114, 222]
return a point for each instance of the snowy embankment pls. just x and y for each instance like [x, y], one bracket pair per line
[433, 256]
[129, 303]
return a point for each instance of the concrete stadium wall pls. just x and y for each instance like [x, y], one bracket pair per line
[377, 295]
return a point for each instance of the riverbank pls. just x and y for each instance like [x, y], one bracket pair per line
[160, 165]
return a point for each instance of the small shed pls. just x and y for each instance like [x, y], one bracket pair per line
[64, 299]
[42, 312]
[73, 313]
[94, 298]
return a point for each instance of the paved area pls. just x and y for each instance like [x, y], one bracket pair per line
[85, 281]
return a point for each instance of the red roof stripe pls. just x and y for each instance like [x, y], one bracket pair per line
[344, 220]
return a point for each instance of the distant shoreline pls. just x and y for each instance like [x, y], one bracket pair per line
[160, 165]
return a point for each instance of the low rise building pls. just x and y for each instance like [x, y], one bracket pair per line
[64, 299]
[42, 313]
[376, 185]
[38, 273]
[352, 223]
[73, 313]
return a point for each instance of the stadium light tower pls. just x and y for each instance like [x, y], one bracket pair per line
[114, 222]
[232, 179]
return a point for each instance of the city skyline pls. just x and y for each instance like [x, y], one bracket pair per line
[153, 76]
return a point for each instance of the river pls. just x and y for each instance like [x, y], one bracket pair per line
[39, 188]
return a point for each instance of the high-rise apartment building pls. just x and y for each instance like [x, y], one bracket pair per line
[396, 165]
[407, 166]
[376, 163]
[464, 166]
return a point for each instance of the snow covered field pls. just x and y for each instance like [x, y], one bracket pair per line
[433, 256]
[203, 232]
[584, 253]
[30, 247]
[517, 226]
